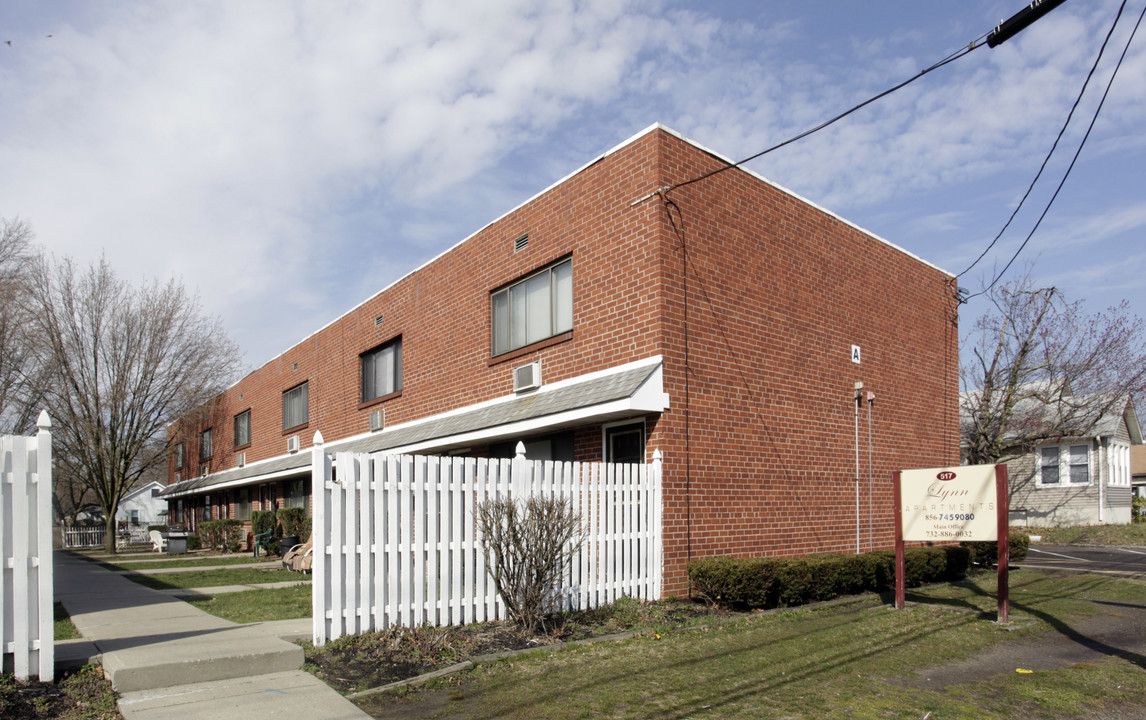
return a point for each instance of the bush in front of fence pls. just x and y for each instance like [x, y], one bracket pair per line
[986, 553]
[778, 582]
[528, 547]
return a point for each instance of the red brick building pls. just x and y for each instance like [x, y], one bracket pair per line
[595, 296]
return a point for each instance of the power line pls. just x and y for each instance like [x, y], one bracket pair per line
[974, 45]
[1078, 152]
[1053, 148]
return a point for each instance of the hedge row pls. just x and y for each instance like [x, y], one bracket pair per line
[776, 582]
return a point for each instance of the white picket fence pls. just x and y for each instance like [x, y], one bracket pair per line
[88, 536]
[396, 541]
[92, 536]
[26, 627]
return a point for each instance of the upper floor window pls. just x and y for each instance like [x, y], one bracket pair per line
[205, 447]
[534, 308]
[295, 409]
[243, 428]
[382, 370]
[1064, 465]
[178, 455]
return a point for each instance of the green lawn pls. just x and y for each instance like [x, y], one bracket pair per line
[1117, 535]
[212, 578]
[63, 628]
[204, 561]
[258, 605]
[852, 661]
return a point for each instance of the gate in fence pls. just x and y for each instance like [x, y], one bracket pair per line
[396, 541]
[26, 628]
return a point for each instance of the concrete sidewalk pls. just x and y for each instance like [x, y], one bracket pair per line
[168, 659]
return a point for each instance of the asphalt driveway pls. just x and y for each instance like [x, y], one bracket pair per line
[1123, 562]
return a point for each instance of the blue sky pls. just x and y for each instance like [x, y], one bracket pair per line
[288, 160]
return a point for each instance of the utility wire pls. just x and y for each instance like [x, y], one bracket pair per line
[1078, 152]
[974, 45]
[1053, 148]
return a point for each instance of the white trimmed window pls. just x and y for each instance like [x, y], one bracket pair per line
[534, 308]
[206, 446]
[1061, 465]
[243, 428]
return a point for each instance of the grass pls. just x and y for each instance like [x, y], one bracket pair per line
[857, 660]
[213, 578]
[63, 628]
[1116, 535]
[204, 561]
[258, 605]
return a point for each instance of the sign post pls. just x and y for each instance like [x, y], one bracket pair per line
[966, 503]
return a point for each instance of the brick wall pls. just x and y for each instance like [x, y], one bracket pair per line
[777, 293]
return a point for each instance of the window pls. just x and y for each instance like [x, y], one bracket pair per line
[205, 449]
[243, 428]
[295, 407]
[625, 443]
[295, 493]
[533, 309]
[382, 370]
[243, 504]
[1064, 462]
[178, 455]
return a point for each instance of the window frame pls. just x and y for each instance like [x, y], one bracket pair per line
[179, 456]
[1063, 465]
[370, 357]
[305, 386]
[557, 325]
[614, 429]
[239, 442]
[206, 444]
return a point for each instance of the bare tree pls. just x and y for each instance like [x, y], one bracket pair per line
[125, 361]
[21, 370]
[1041, 370]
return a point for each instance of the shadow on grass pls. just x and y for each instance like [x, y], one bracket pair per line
[840, 655]
[1061, 626]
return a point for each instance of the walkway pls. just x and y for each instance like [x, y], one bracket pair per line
[168, 659]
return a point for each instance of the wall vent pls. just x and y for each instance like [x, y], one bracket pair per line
[377, 420]
[527, 377]
[521, 243]
[378, 321]
[292, 444]
[241, 459]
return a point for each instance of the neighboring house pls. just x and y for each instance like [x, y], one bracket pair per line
[1078, 480]
[143, 506]
[570, 324]
[1138, 470]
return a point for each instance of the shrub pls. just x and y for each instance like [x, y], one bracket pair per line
[193, 543]
[986, 553]
[772, 582]
[528, 547]
[1138, 509]
[262, 520]
[211, 533]
[294, 521]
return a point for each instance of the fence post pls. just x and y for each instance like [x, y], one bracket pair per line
[658, 524]
[319, 585]
[43, 556]
[520, 485]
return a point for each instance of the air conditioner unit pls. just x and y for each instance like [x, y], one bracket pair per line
[527, 377]
[204, 471]
[241, 459]
[178, 477]
[377, 420]
[292, 444]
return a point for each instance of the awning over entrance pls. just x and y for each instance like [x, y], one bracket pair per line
[624, 391]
